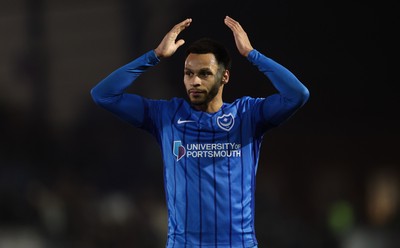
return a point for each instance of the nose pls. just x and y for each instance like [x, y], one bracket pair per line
[196, 81]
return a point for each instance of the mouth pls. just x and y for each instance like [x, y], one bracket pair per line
[196, 92]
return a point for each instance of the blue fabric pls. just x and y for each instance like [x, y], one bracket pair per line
[210, 159]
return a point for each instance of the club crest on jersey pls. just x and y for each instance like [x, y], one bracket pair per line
[179, 150]
[226, 122]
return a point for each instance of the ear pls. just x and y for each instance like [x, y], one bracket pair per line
[225, 77]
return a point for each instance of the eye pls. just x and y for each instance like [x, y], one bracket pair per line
[204, 74]
[188, 73]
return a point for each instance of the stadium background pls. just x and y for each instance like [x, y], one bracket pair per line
[73, 175]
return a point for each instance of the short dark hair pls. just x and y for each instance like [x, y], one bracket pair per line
[208, 45]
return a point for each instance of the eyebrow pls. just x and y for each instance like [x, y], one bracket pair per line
[205, 69]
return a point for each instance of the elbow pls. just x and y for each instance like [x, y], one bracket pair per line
[97, 97]
[102, 99]
[305, 95]
[301, 97]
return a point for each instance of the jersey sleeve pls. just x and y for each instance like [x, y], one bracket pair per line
[291, 96]
[110, 92]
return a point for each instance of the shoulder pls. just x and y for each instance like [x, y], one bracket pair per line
[162, 111]
[247, 102]
[162, 107]
[171, 103]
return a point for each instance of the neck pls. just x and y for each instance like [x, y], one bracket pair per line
[210, 107]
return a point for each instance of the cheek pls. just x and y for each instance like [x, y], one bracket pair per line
[186, 83]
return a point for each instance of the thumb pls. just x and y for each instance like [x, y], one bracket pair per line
[180, 42]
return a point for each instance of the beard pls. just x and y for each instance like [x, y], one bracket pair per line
[208, 97]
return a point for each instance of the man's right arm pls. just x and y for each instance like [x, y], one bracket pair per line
[110, 92]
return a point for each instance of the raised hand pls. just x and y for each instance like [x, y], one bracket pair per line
[169, 44]
[241, 39]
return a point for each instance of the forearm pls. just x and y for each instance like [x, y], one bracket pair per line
[109, 93]
[292, 94]
[284, 81]
[112, 88]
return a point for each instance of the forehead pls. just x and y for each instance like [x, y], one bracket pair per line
[196, 61]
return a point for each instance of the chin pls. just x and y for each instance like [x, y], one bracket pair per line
[197, 102]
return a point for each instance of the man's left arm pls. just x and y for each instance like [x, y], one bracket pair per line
[292, 93]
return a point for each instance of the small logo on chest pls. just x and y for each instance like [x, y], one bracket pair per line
[184, 121]
[226, 122]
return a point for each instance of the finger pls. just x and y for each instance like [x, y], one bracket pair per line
[179, 43]
[227, 21]
[182, 25]
[232, 24]
[230, 21]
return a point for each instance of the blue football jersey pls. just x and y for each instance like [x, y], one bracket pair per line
[210, 159]
[210, 163]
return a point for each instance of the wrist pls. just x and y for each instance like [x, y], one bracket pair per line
[247, 52]
[158, 53]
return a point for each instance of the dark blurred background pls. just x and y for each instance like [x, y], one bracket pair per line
[73, 175]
